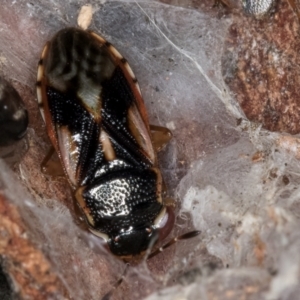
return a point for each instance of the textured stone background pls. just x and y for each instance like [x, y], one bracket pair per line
[261, 67]
[204, 71]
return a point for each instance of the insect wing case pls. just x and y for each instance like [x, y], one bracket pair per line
[97, 122]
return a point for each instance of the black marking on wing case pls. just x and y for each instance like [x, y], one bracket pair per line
[66, 110]
[117, 98]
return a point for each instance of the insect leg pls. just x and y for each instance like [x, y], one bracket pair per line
[185, 236]
[221, 2]
[50, 166]
[293, 4]
[169, 202]
[160, 136]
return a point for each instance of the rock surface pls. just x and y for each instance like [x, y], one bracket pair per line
[204, 71]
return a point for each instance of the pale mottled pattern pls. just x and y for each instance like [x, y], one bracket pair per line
[257, 7]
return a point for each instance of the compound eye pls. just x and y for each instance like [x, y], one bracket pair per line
[165, 222]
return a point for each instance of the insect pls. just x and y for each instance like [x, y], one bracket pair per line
[97, 122]
[13, 115]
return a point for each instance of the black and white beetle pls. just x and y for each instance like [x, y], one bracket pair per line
[97, 122]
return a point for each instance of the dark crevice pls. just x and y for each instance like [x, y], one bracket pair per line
[6, 292]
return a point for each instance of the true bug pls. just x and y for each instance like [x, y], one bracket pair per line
[97, 122]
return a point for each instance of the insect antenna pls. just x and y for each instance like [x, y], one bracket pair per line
[116, 285]
[185, 236]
